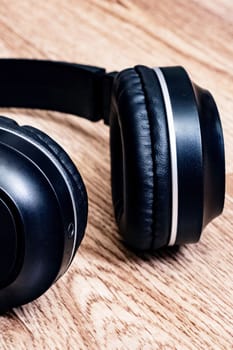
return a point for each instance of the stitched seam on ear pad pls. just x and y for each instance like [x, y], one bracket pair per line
[59, 153]
[161, 156]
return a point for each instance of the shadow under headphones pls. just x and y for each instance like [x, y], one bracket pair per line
[167, 161]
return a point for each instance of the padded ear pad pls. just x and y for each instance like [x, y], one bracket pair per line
[77, 185]
[140, 156]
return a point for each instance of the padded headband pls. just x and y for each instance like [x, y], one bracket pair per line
[64, 87]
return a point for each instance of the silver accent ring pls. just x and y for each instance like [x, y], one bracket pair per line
[173, 154]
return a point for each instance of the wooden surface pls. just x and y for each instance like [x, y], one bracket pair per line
[111, 298]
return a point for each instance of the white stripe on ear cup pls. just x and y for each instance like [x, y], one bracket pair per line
[173, 154]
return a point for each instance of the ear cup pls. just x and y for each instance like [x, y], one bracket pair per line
[78, 187]
[140, 160]
[168, 166]
[43, 212]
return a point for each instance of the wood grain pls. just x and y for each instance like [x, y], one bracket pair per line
[111, 298]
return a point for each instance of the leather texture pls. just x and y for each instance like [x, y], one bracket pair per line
[140, 160]
[161, 156]
[76, 182]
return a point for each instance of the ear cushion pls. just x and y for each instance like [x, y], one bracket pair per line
[77, 185]
[141, 183]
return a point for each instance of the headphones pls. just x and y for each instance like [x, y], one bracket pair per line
[167, 166]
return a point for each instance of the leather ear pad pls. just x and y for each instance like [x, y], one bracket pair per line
[140, 157]
[77, 185]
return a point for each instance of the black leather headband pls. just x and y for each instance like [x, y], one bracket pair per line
[64, 87]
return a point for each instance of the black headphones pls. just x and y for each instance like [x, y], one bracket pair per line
[167, 159]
